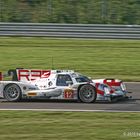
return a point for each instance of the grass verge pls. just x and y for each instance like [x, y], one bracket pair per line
[31, 125]
[95, 58]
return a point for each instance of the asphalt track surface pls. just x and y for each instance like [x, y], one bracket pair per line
[55, 105]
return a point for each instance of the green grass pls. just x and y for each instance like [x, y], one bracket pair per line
[95, 58]
[31, 125]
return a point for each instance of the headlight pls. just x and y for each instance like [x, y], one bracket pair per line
[123, 87]
[106, 90]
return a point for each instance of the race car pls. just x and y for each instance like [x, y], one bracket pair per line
[59, 84]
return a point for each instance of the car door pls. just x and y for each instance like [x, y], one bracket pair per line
[63, 81]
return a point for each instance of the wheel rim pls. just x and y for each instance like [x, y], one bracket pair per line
[12, 92]
[87, 93]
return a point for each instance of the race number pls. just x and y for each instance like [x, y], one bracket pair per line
[68, 93]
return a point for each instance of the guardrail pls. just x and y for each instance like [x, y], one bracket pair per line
[99, 31]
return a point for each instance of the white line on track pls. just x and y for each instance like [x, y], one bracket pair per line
[66, 110]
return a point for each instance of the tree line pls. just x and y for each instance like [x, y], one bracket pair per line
[71, 11]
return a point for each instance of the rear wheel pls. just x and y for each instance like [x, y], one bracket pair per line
[87, 94]
[12, 92]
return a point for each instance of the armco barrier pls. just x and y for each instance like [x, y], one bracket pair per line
[99, 31]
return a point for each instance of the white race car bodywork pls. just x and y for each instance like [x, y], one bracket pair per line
[56, 84]
[117, 86]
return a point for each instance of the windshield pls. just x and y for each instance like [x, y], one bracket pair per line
[83, 79]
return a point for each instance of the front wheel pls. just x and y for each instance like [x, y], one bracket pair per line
[12, 92]
[87, 93]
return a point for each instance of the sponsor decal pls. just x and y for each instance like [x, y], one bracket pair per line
[30, 75]
[50, 83]
[32, 94]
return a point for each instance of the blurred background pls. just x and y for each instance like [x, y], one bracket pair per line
[71, 11]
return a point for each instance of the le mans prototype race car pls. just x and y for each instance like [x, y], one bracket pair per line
[59, 84]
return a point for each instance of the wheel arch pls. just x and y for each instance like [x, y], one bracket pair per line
[86, 84]
[8, 84]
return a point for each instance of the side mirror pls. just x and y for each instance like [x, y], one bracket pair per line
[69, 82]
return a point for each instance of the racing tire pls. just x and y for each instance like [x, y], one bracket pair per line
[87, 93]
[12, 93]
